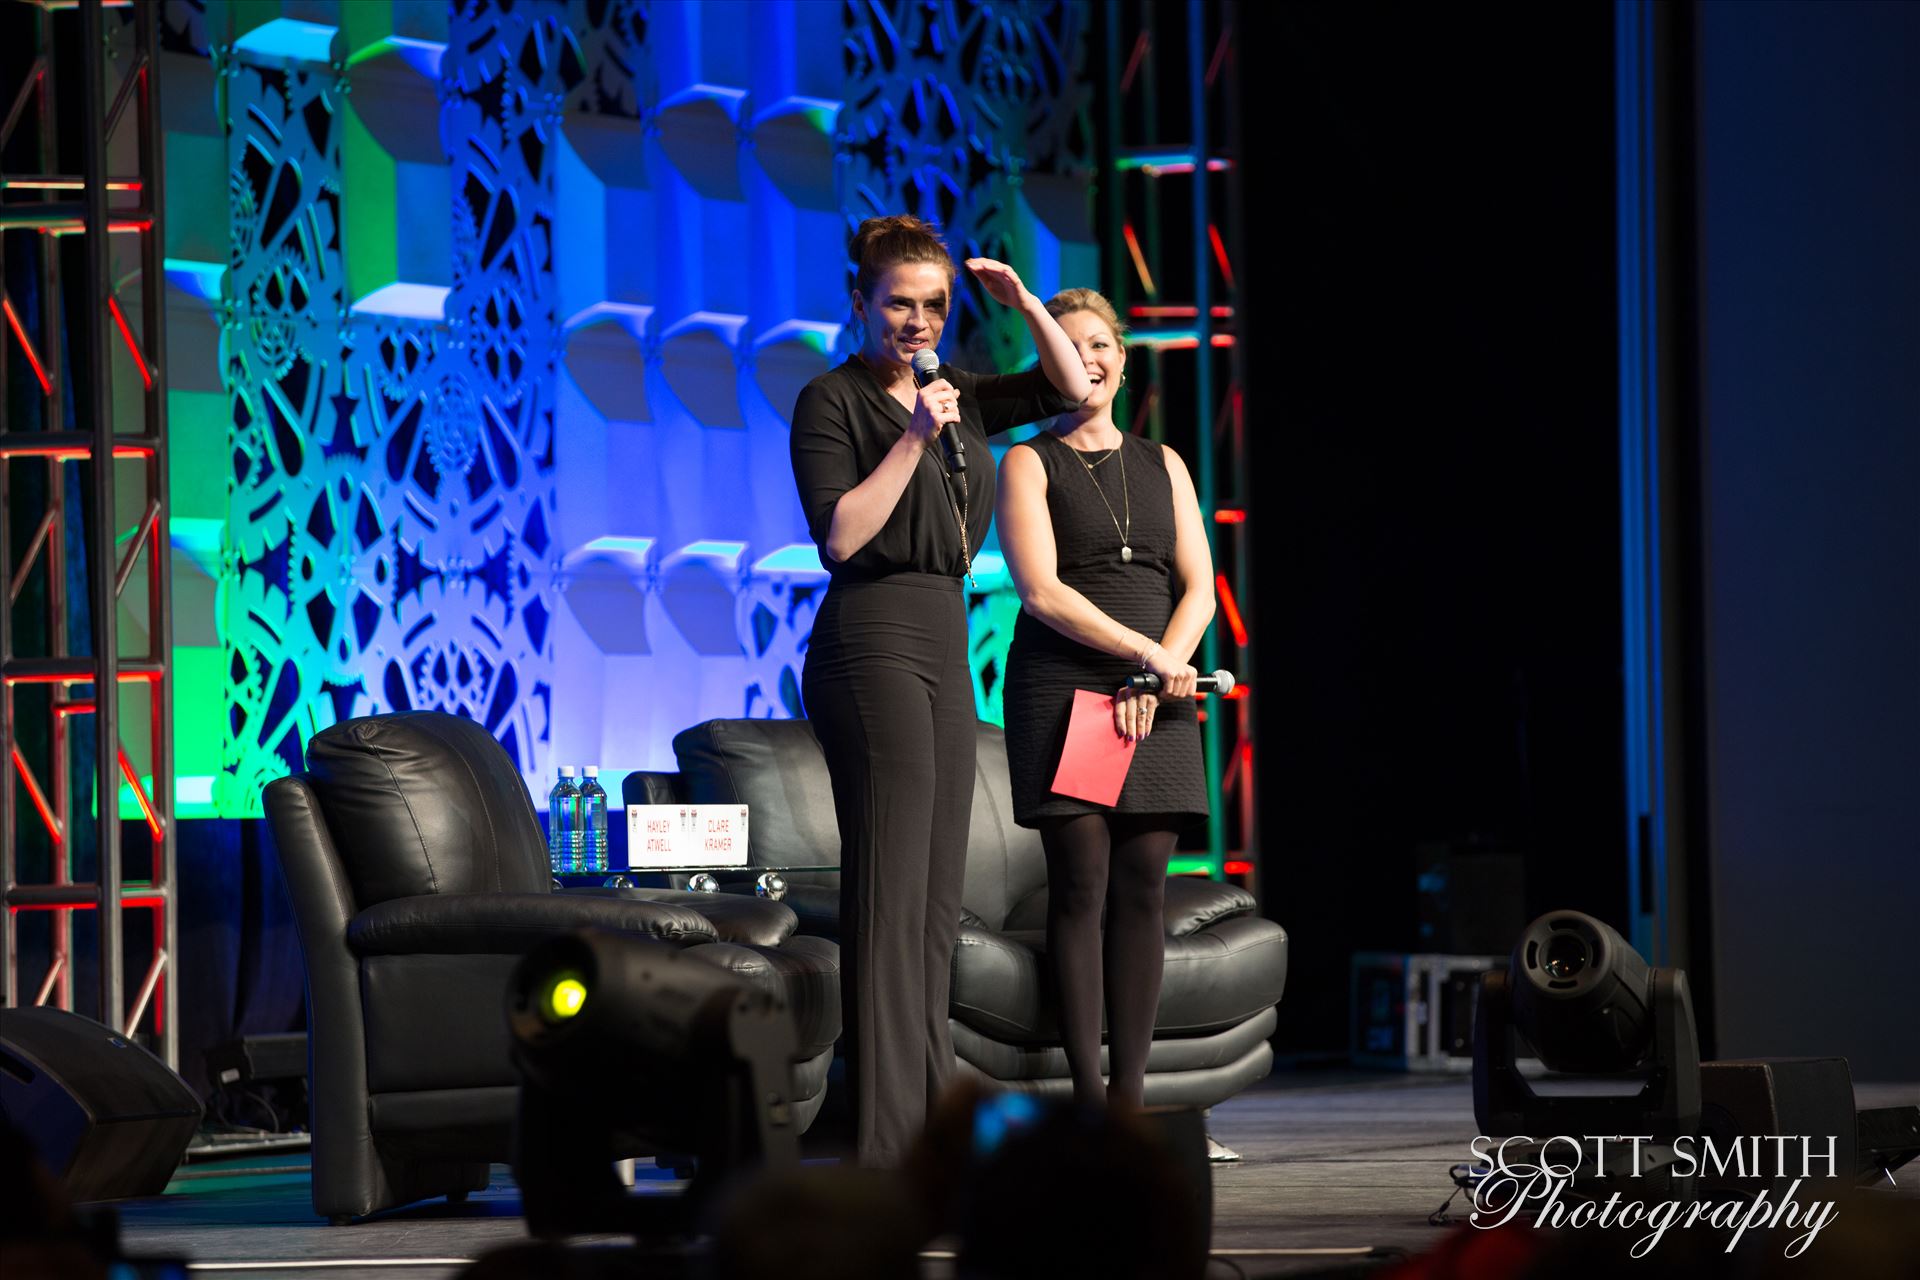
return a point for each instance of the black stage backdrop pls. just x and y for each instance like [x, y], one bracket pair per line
[1808, 172]
[1430, 305]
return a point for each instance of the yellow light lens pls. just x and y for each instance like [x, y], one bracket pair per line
[565, 995]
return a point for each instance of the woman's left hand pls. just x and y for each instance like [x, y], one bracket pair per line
[1001, 281]
[1133, 714]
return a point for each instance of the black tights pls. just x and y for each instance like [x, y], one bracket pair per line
[1119, 861]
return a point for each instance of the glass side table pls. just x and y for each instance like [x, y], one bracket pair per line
[768, 882]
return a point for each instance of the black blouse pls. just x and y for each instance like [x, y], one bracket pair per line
[843, 425]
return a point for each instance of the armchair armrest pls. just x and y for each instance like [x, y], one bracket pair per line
[511, 923]
[1192, 904]
[815, 905]
[735, 917]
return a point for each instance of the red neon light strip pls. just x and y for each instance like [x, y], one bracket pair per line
[1219, 56]
[26, 345]
[39, 800]
[140, 795]
[1217, 165]
[1133, 63]
[56, 678]
[133, 348]
[1237, 868]
[150, 902]
[1229, 515]
[60, 184]
[1139, 260]
[1193, 344]
[76, 227]
[81, 453]
[1228, 603]
[1176, 312]
[1220, 253]
[1240, 691]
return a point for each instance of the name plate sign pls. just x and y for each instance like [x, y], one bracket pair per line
[686, 835]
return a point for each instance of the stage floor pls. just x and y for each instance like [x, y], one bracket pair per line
[1330, 1161]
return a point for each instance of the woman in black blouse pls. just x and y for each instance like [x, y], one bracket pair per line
[887, 685]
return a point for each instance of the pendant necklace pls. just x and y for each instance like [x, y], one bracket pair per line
[1126, 498]
[960, 512]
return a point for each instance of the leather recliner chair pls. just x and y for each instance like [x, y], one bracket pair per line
[1226, 965]
[419, 876]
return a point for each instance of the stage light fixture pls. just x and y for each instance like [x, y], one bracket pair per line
[562, 997]
[628, 1046]
[1589, 1005]
[1580, 995]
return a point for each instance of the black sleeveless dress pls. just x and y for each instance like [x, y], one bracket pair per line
[1044, 667]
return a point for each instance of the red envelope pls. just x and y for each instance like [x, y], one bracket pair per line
[1094, 762]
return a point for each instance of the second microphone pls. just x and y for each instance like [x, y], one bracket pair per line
[1220, 682]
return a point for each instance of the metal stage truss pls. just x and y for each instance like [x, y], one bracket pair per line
[85, 218]
[1170, 215]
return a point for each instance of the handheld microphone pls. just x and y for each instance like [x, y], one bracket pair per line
[926, 367]
[1220, 682]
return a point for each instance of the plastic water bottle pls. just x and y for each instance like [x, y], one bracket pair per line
[564, 842]
[593, 799]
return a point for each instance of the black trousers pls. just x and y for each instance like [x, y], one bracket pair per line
[890, 695]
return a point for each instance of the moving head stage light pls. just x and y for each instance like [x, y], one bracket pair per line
[1589, 1005]
[627, 1045]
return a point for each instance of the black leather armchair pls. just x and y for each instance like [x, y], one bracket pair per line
[1226, 965]
[419, 877]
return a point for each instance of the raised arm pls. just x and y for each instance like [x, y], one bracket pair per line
[1062, 364]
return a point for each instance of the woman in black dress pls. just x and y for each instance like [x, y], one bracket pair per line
[1103, 536]
[886, 683]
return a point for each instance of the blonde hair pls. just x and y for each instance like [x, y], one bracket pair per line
[881, 244]
[1068, 301]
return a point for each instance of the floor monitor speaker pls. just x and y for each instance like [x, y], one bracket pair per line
[109, 1119]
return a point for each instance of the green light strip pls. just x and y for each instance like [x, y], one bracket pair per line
[192, 797]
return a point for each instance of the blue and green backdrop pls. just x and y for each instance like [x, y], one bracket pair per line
[485, 322]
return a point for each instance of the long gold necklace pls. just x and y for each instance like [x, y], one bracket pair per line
[960, 511]
[1126, 497]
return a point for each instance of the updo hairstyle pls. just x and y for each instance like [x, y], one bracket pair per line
[881, 244]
